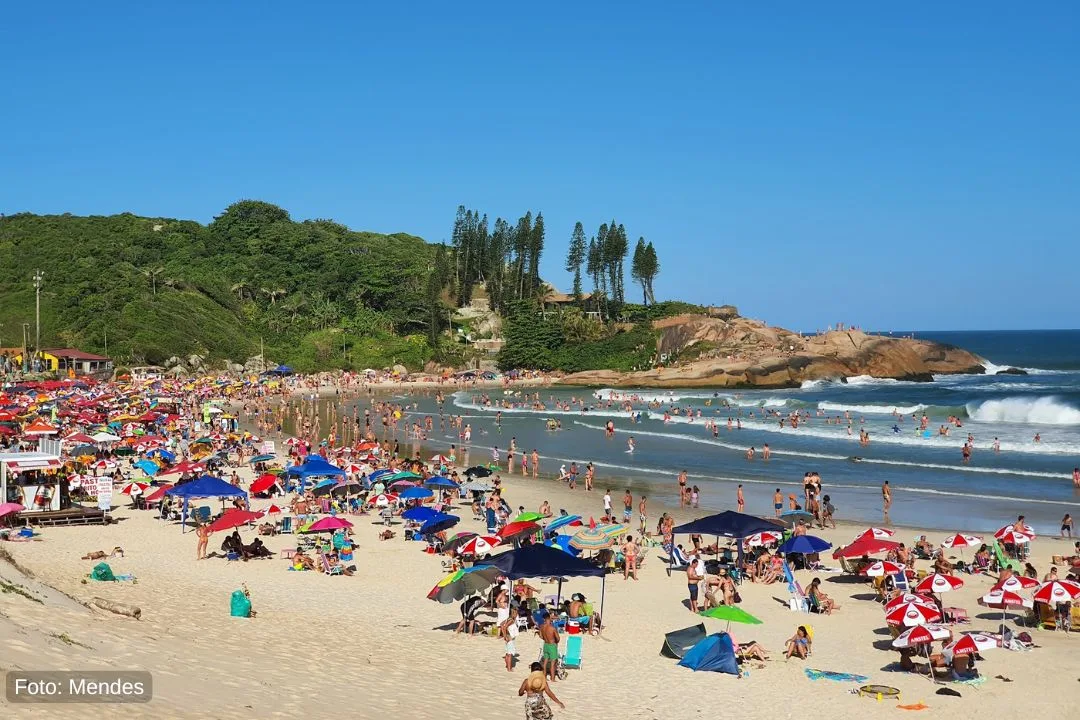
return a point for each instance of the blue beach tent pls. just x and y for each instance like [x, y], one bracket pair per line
[715, 654]
[314, 466]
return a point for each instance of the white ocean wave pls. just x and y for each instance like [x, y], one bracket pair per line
[1046, 410]
[871, 409]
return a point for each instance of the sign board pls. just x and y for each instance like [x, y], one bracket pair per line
[104, 492]
[267, 448]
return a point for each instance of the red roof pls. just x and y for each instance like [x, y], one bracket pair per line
[73, 354]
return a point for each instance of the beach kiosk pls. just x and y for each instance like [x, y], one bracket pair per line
[30, 479]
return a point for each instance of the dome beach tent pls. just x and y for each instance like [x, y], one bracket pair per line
[715, 654]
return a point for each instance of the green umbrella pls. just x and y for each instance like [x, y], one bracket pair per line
[405, 475]
[731, 613]
[528, 517]
[460, 583]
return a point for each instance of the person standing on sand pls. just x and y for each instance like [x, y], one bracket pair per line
[739, 499]
[630, 552]
[886, 499]
[550, 637]
[628, 507]
[682, 488]
[778, 502]
[607, 503]
[643, 515]
[203, 533]
[695, 573]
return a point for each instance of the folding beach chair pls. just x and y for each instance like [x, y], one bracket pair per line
[572, 658]
[286, 525]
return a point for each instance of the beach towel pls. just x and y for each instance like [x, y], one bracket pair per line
[973, 682]
[814, 674]
[916, 706]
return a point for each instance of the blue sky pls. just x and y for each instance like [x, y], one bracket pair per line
[890, 166]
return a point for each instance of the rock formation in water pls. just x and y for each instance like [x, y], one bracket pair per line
[736, 352]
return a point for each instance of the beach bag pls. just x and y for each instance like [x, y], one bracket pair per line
[103, 573]
[240, 605]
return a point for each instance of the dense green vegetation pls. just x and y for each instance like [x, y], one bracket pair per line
[316, 293]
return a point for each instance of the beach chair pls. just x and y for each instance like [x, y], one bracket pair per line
[201, 514]
[1005, 562]
[677, 560]
[286, 525]
[798, 602]
[572, 658]
[327, 570]
[900, 582]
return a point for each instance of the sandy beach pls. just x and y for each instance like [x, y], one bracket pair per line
[370, 642]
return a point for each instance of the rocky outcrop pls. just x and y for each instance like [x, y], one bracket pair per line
[1012, 371]
[743, 353]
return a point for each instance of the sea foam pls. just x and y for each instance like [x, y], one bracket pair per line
[1047, 410]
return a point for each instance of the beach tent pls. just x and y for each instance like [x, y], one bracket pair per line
[532, 561]
[205, 487]
[715, 654]
[729, 524]
[678, 642]
[314, 466]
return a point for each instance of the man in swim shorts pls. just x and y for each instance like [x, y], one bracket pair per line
[550, 636]
[778, 502]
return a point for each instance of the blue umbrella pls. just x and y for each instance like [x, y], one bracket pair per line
[442, 482]
[162, 453]
[561, 521]
[415, 493]
[379, 473]
[327, 481]
[438, 523]
[804, 545]
[419, 514]
[148, 466]
[563, 543]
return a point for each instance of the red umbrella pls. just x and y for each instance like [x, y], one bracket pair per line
[1014, 537]
[233, 518]
[158, 494]
[1003, 599]
[263, 483]
[126, 490]
[479, 545]
[921, 635]
[971, 644]
[909, 598]
[938, 583]
[515, 530]
[329, 524]
[911, 614]
[865, 546]
[1057, 591]
[1024, 529]
[1016, 583]
[883, 567]
[760, 539]
[272, 510]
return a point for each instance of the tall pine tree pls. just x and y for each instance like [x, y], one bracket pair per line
[637, 269]
[575, 256]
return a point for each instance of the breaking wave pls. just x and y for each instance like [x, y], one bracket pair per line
[1048, 410]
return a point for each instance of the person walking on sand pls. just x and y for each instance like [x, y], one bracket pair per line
[534, 688]
[203, 533]
[739, 499]
[1067, 525]
[630, 553]
[643, 515]
[508, 631]
[778, 502]
[535, 463]
[695, 573]
[886, 499]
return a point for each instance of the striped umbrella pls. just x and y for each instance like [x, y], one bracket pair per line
[563, 521]
[921, 635]
[1057, 591]
[971, 644]
[1024, 529]
[1016, 583]
[911, 614]
[457, 539]
[882, 568]
[875, 533]
[1014, 537]
[460, 583]
[479, 545]
[961, 541]
[938, 583]
[1003, 600]
[909, 598]
[591, 539]
[761, 539]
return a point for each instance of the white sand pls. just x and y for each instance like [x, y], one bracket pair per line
[372, 645]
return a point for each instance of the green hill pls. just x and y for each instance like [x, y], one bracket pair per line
[317, 293]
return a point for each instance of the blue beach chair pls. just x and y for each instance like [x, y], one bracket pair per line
[572, 658]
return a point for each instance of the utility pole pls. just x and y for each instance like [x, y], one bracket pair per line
[39, 277]
[25, 358]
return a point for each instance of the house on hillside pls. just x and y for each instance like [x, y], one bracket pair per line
[555, 301]
[63, 360]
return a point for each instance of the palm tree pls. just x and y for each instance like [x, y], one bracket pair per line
[153, 273]
[273, 294]
[241, 288]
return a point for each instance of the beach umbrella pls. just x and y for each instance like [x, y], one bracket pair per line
[261, 458]
[148, 466]
[419, 514]
[126, 490]
[467, 581]
[911, 614]
[1016, 583]
[440, 460]
[961, 541]
[562, 521]
[457, 539]
[441, 482]
[804, 545]
[161, 453]
[355, 469]
[909, 598]
[103, 465]
[921, 635]
[234, 518]
[438, 523]
[272, 510]
[10, 508]
[415, 493]
[383, 499]
[731, 613]
[83, 450]
[478, 471]
[875, 533]
[591, 538]
[970, 643]
[528, 517]
[865, 546]
[158, 493]
[1055, 592]
[477, 486]
[405, 475]
[613, 531]
[938, 583]
[380, 473]
[124, 451]
[402, 484]
[479, 545]
[517, 530]
[1014, 537]
[762, 539]
[563, 543]
[1024, 529]
[1003, 600]
[263, 483]
[792, 517]
[328, 524]
[882, 568]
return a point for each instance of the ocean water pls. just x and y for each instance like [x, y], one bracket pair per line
[931, 485]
